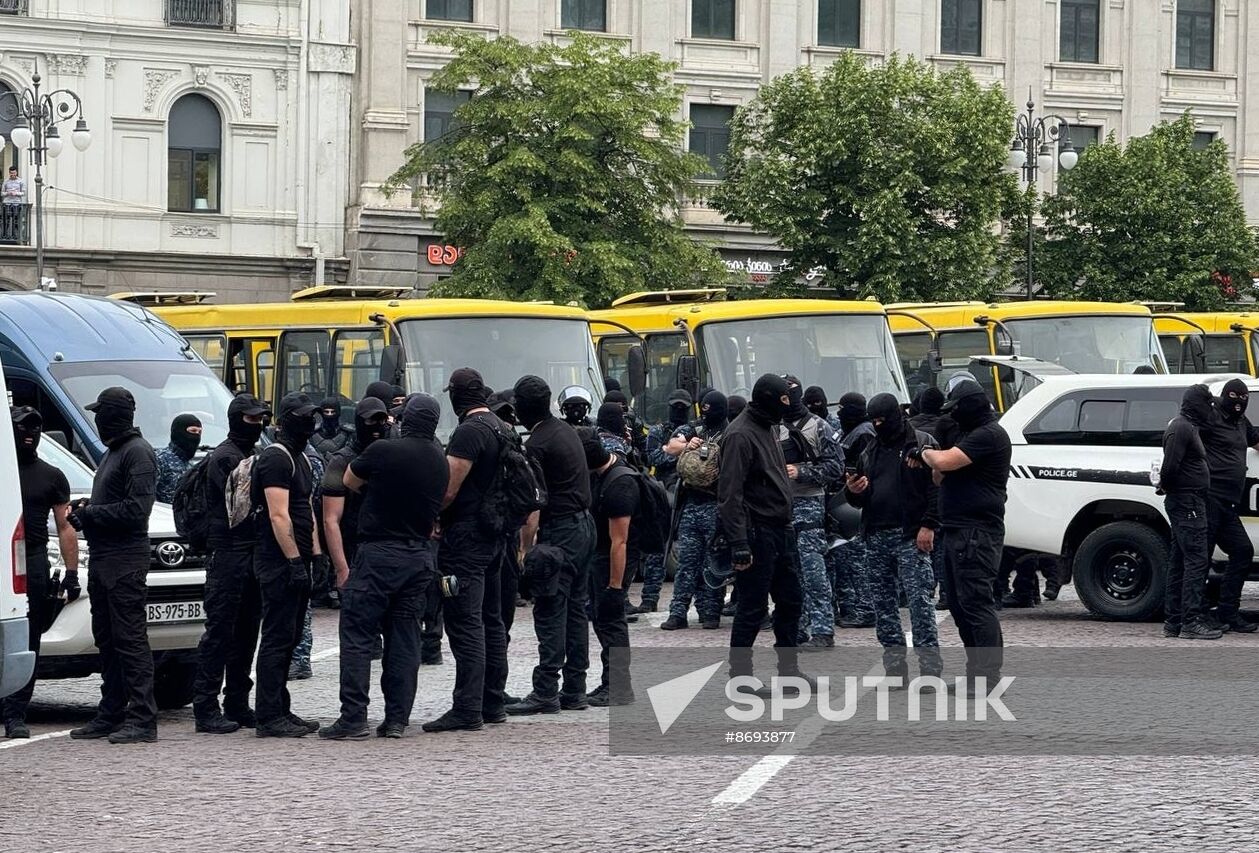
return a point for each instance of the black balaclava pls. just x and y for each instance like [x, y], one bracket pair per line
[115, 411]
[814, 400]
[371, 423]
[617, 397]
[852, 411]
[611, 418]
[329, 424]
[1233, 400]
[596, 454]
[467, 391]
[680, 403]
[715, 410]
[28, 428]
[241, 433]
[399, 396]
[888, 408]
[770, 402]
[382, 391]
[735, 404]
[296, 420]
[969, 406]
[795, 391]
[420, 415]
[1195, 406]
[611, 385]
[502, 404]
[931, 401]
[187, 443]
[533, 400]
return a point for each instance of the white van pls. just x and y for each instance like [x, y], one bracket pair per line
[16, 659]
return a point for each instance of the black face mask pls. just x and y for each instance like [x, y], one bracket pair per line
[769, 401]
[972, 411]
[330, 424]
[243, 433]
[886, 408]
[296, 430]
[464, 399]
[113, 422]
[365, 432]
[1234, 400]
[678, 413]
[1196, 405]
[21, 435]
[715, 410]
[795, 393]
[187, 443]
[420, 416]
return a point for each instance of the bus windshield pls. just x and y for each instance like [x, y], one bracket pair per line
[1091, 344]
[503, 349]
[162, 390]
[841, 353]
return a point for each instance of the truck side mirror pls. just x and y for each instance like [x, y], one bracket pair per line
[636, 361]
[1197, 353]
[688, 374]
[934, 361]
[391, 365]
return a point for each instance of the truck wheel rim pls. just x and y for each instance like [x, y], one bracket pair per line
[1125, 573]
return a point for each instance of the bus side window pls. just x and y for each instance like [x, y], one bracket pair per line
[264, 363]
[304, 363]
[357, 363]
[614, 359]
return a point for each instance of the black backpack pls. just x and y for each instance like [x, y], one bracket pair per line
[518, 489]
[652, 520]
[191, 505]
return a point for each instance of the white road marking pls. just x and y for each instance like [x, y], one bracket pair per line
[759, 774]
[13, 744]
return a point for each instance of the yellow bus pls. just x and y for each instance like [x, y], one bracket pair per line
[935, 341]
[331, 341]
[655, 342]
[1200, 342]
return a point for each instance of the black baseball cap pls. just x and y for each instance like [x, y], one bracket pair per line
[370, 407]
[296, 403]
[681, 395]
[117, 397]
[247, 404]
[467, 378]
[25, 413]
[965, 388]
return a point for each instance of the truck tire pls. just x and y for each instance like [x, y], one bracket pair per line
[1120, 571]
[173, 681]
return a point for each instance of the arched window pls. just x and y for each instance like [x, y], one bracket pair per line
[8, 151]
[194, 133]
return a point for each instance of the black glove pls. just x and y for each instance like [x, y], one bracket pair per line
[740, 555]
[75, 520]
[70, 585]
[299, 575]
[609, 604]
[914, 453]
[321, 571]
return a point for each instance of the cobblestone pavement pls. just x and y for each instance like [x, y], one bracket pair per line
[539, 783]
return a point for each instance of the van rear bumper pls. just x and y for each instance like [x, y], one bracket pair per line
[17, 661]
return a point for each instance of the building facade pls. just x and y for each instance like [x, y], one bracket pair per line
[220, 143]
[1105, 65]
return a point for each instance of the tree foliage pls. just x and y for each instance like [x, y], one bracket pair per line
[562, 175]
[889, 177]
[1156, 220]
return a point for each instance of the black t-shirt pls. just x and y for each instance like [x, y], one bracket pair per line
[406, 481]
[219, 466]
[974, 496]
[476, 441]
[615, 496]
[1226, 441]
[557, 447]
[43, 487]
[334, 487]
[275, 468]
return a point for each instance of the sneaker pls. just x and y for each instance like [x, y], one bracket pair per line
[341, 730]
[1052, 587]
[300, 672]
[534, 704]
[1171, 631]
[394, 731]
[1200, 629]
[821, 641]
[217, 725]
[131, 733]
[1240, 624]
[311, 726]
[1015, 602]
[16, 730]
[452, 722]
[595, 697]
[245, 716]
[853, 622]
[710, 624]
[674, 623]
[95, 730]
[574, 702]
[648, 606]
[280, 728]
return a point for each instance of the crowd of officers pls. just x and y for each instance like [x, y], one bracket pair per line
[397, 526]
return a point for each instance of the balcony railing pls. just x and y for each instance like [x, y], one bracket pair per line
[208, 14]
[13, 7]
[15, 224]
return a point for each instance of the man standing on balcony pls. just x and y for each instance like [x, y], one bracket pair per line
[13, 196]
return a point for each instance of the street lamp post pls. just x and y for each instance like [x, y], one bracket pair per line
[1033, 150]
[36, 115]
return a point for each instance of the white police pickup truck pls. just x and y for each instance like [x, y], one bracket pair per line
[176, 587]
[1080, 490]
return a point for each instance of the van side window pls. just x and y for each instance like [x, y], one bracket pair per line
[1102, 416]
[1138, 420]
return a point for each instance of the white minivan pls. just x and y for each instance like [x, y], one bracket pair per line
[16, 659]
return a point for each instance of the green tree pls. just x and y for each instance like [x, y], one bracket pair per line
[890, 178]
[562, 176]
[1156, 220]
